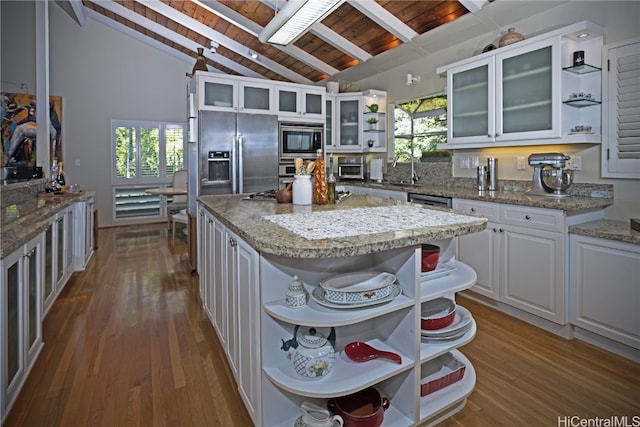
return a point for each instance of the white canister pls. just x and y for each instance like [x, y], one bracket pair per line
[302, 190]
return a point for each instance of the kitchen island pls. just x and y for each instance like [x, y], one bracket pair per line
[249, 252]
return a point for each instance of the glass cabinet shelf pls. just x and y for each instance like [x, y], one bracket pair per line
[582, 69]
[581, 102]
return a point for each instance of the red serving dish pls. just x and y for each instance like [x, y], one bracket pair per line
[437, 314]
[440, 373]
[430, 257]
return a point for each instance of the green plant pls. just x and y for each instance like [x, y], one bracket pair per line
[436, 153]
[372, 120]
[373, 108]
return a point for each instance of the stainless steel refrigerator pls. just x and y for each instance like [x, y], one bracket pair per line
[238, 153]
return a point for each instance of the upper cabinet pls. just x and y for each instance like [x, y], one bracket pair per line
[528, 93]
[356, 122]
[292, 102]
[300, 103]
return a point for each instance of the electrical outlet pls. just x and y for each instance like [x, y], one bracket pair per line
[520, 165]
[475, 162]
[464, 163]
[574, 163]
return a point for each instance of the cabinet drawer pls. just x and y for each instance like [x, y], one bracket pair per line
[491, 211]
[538, 218]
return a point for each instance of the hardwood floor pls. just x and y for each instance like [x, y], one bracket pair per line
[127, 344]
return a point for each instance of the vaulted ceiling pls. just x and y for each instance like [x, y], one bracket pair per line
[354, 33]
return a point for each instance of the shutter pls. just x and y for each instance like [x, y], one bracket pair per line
[621, 110]
[628, 101]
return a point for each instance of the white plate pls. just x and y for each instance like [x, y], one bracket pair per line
[453, 336]
[462, 319]
[318, 296]
[440, 271]
[358, 282]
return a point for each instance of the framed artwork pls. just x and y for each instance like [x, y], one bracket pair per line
[19, 119]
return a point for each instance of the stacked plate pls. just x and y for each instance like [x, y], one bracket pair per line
[359, 289]
[460, 326]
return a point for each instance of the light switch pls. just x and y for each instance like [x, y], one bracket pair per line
[520, 165]
[77, 162]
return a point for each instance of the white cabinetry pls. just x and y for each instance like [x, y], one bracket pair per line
[520, 95]
[393, 326]
[83, 239]
[231, 93]
[605, 292]
[229, 290]
[20, 318]
[350, 130]
[300, 103]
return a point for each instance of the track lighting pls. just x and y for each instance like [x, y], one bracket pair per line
[214, 46]
[253, 54]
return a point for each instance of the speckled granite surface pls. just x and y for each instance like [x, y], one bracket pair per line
[569, 205]
[27, 217]
[246, 219]
[607, 229]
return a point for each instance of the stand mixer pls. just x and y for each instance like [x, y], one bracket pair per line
[549, 176]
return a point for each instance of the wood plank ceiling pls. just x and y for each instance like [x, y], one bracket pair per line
[353, 33]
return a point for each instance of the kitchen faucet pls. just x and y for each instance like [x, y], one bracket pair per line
[414, 175]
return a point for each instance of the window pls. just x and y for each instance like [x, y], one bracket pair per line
[144, 155]
[422, 122]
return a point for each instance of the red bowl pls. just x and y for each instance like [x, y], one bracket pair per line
[437, 314]
[430, 257]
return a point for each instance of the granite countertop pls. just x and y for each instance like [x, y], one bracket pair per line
[257, 223]
[607, 229]
[22, 223]
[569, 205]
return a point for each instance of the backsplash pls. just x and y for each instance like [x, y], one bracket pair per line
[20, 198]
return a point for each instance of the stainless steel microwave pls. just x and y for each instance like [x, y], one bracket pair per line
[299, 140]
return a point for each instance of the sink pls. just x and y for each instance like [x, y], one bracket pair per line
[403, 184]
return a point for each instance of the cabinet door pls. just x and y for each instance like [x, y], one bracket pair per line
[255, 97]
[221, 309]
[230, 284]
[288, 101]
[217, 94]
[68, 243]
[12, 303]
[329, 123]
[207, 253]
[48, 286]
[313, 103]
[32, 286]
[59, 235]
[471, 108]
[528, 92]
[248, 326]
[481, 251]
[532, 273]
[604, 288]
[348, 112]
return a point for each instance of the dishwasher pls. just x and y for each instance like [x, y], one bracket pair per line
[424, 199]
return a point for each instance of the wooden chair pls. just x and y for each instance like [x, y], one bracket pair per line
[180, 217]
[180, 180]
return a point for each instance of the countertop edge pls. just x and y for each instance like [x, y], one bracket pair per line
[607, 229]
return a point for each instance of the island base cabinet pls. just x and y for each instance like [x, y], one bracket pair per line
[605, 291]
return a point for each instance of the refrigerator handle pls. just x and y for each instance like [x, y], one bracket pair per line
[234, 165]
[240, 172]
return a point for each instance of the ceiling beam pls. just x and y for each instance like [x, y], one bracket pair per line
[132, 16]
[384, 18]
[473, 5]
[194, 25]
[78, 10]
[255, 29]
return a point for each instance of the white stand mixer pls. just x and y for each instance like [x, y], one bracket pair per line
[549, 176]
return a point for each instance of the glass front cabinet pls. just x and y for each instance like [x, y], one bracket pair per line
[506, 97]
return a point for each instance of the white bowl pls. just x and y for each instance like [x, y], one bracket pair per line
[359, 287]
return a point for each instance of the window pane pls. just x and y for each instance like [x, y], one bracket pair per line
[149, 152]
[125, 155]
[174, 149]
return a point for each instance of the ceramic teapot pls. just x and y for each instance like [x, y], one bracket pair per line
[316, 416]
[312, 352]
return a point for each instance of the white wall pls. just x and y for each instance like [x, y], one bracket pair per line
[620, 22]
[102, 75]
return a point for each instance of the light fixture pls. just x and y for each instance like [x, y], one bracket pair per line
[583, 35]
[253, 54]
[214, 45]
[295, 18]
[412, 80]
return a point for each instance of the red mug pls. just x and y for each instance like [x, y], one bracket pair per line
[430, 257]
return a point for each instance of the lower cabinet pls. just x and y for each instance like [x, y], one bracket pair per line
[83, 238]
[20, 317]
[605, 288]
[59, 255]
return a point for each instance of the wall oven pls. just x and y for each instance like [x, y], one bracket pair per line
[299, 140]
